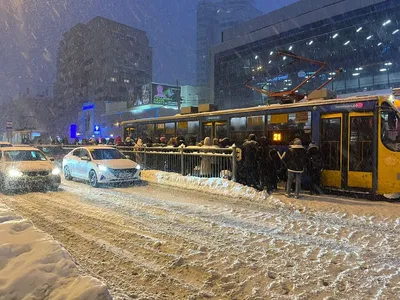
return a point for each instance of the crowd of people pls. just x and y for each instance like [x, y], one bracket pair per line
[261, 165]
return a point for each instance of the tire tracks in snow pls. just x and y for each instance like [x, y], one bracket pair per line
[160, 243]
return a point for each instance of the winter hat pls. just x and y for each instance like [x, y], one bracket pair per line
[297, 142]
[252, 137]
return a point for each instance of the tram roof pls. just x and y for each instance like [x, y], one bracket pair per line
[272, 107]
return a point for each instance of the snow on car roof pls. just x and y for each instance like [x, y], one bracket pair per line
[96, 147]
[19, 148]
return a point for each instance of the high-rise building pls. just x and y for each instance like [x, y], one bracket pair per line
[361, 37]
[213, 17]
[100, 62]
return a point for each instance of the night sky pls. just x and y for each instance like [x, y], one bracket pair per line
[30, 32]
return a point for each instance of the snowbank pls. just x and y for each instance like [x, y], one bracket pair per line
[35, 266]
[216, 186]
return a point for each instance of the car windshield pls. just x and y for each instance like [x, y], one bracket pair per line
[103, 154]
[24, 155]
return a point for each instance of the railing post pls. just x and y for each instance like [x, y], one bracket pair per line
[145, 157]
[182, 160]
[234, 162]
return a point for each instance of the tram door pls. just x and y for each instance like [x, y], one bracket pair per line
[347, 150]
[217, 129]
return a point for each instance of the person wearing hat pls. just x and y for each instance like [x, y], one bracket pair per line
[295, 160]
[314, 168]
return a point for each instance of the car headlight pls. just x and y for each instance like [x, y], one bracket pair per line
[103, 168]
[56, 171]
[15, 173]
[138, 167]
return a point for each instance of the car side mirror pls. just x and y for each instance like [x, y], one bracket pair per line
[85, 158]
[51, 158]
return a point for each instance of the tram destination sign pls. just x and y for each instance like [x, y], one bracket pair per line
[352, 106]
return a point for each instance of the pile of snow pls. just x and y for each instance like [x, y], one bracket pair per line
[215, 186]
[35, 266]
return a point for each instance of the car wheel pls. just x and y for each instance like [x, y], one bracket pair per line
[67, 173]
[93, 179]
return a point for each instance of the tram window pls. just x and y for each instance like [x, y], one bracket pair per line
[238, 124]
[182, 129]
[330, 143]
[360, 159]
[298, 125]
[170, 128]
[193, 127]
[221, 129]
[390, 129]
[255, 123]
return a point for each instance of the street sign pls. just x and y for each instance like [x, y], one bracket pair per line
[9, 125]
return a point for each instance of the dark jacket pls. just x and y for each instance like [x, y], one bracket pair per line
[250, 154]
[296, 159]
[315, 161]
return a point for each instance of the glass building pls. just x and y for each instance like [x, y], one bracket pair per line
[362, 37]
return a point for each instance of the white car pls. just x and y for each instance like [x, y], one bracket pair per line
[100, 164]
[22, 167]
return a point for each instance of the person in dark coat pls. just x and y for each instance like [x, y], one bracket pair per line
[314, 168]
[296, 161]
[250, 159]
[277, 167]
[265, 166]
[225, 143]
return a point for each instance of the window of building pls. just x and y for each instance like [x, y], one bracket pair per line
[113, 79]
[126, 80]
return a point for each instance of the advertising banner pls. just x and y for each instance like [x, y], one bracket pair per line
[166, 95]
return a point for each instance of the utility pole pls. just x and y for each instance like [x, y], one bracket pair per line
[178, 95]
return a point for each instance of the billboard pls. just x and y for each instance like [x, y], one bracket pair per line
[166, 95]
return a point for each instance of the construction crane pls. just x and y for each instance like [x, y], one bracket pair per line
[293, 95]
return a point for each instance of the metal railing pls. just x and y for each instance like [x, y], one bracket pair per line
[193, 161]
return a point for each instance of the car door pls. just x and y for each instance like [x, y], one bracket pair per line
[82, 165]
[73, 160]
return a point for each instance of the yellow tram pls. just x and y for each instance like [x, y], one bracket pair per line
[359, 137]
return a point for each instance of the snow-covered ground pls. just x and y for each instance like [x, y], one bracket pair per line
[185, 238]
[34, 266]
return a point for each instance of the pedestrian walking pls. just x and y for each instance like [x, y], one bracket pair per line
[295, 160]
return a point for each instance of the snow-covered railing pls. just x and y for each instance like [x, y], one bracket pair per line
[192, 160]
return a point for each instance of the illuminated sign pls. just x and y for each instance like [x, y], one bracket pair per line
[88, 106]
[96, 129]
[166, 95]
[278, 78]
[277, 136]
[73, 130]
[357, 105]
[213, 118]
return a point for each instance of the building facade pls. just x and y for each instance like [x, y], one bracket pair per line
[362, 37]
[100, 62]
[213, 17]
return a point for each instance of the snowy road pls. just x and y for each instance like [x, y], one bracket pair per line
[157, 242]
